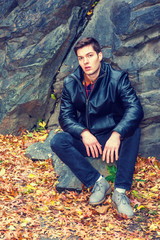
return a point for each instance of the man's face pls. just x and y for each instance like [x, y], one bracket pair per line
[89, 60]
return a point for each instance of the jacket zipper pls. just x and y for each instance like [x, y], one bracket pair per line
[87, 99]
[87, 119]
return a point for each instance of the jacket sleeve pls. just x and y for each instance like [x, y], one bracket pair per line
[68, 115]
[133, 112]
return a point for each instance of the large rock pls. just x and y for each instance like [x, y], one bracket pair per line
[128, 32]
[35, 36]
[66, 179]
[40, 150]
[36, 39]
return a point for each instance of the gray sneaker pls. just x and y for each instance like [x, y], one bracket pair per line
[99, 192]
[122, 204]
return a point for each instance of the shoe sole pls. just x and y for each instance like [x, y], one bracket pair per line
[120, 214]
[107, 193]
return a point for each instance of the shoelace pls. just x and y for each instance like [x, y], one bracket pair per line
[123, 198]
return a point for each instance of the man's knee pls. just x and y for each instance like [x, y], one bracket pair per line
[60, 140]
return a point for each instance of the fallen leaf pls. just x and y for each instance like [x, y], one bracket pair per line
[2, 172]
[31, 175]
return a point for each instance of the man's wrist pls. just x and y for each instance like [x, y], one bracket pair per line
[84, 131]
[114, 133]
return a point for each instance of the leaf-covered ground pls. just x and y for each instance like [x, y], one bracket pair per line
[31, 208]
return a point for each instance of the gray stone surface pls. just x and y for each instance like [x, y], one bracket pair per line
[128, 32]
[40, 150]
[67, 180]
[36, 39]
[35, 36]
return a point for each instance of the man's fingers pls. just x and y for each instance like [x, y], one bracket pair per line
[87, 150]
[108, 155]
[116, 155]
[104, 154]
[95, 150]
[112, 156]
[99, 148]
[92, 151]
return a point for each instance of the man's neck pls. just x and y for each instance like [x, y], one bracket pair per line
[91, 78]
[87, 80]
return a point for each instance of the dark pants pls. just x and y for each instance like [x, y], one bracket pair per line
[72, 152]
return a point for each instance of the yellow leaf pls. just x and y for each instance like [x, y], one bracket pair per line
[155, 188]
[42, 163]
[79, 212]
[52, 202]
[44, 208]
[111, 226]
[139, 207]
[42, 138]
[2, 172]
[135, 193]
[152, 174]
[152, 194]
[11, 197]
[30, 187]
[136, 238]
[153, 227]
[38, 192]
[58, 130]
[42, 124]
[31, 175]
[89, 13]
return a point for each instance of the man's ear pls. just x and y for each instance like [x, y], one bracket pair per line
[100, 55]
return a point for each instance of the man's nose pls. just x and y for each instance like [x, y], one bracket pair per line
[85, 60]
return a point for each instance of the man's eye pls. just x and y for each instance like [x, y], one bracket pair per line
[80, 58]
[90, 55]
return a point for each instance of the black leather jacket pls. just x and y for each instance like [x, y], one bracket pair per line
[111, 106]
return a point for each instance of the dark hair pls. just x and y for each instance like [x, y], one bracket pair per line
[87, 41]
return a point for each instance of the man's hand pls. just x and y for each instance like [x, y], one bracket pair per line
[111, 148]
[91, 143]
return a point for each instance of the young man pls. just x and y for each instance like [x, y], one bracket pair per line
[100, 114]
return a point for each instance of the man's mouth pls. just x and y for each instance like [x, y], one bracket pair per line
[87, 68]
